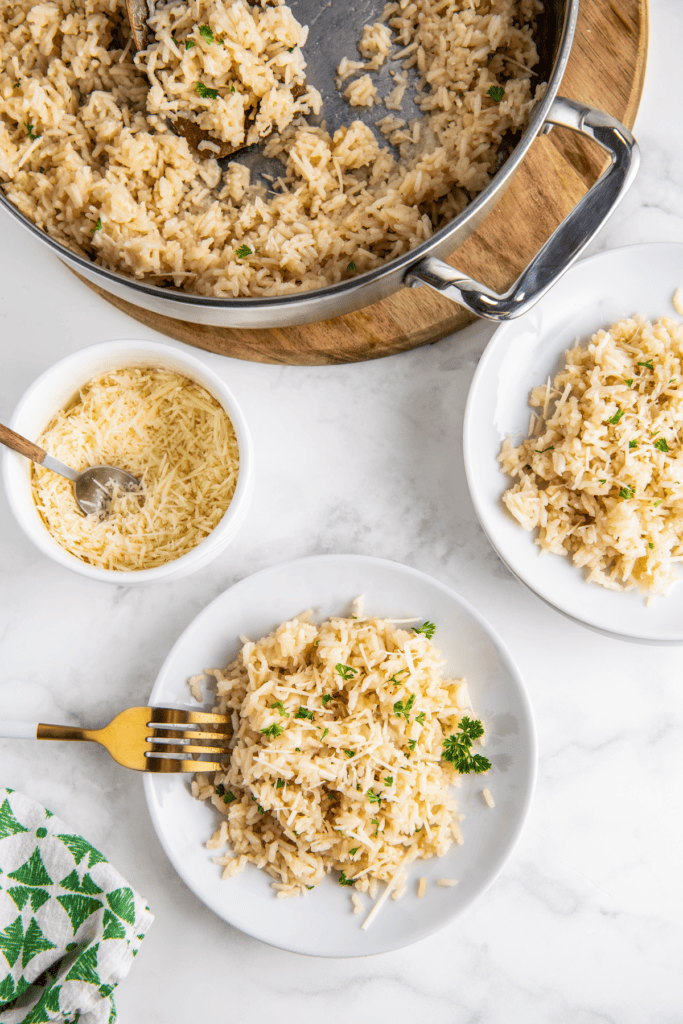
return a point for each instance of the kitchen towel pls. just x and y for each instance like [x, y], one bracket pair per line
[70, 925]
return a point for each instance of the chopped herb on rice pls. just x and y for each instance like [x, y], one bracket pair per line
[311, 835]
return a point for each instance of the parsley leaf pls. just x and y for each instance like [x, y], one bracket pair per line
[354, 851]
[280, 784]
[343, 880]
[634, 444]
[427, 628]
[304, 713]
[29, 129]
[661, 445]
[411, 744]
[242, 252]
[374, 798]
[389, 781]
[421, 718]
[626, 493]
[345, 671]
[207, 94]
[349, 753]
[205, 31]
[496, 92]
[189, 43]
[540, 451]
[98, 227]
[280, 708]
[648, 363]
[401, 708]
[658, 502]
[327, 697]
[651, 546]
[603, 481]
[351, 266]
[227, 796]
[617, 416]
[272, 731]
[629, 381]
[456, 748]
[324, 734]
[394, 680]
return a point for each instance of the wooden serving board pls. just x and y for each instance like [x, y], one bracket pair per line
[606, 70]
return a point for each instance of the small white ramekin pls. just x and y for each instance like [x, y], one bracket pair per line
[54, 389]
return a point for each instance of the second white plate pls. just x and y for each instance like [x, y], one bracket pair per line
[525, 352]
[321, 923]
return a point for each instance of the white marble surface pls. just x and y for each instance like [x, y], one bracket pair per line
[584, 926]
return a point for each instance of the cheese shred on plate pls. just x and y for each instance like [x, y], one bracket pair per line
[167, 431]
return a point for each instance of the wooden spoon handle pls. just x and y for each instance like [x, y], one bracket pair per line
[21, 444]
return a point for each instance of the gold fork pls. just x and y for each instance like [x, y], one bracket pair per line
[146, 739]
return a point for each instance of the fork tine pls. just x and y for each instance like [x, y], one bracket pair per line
[189, 734]
[178, 716]
[188, 749]
[167, 764]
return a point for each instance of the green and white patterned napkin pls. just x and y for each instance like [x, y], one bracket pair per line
[70, 925]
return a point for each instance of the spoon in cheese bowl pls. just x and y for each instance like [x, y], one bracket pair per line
[94, 488]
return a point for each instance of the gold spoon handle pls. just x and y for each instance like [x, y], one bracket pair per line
[21, 444]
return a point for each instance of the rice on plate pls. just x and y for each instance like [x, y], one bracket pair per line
[87, 154]
[347, 741]
[601, 474]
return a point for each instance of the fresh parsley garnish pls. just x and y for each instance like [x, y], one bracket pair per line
[456, 748]
[290, 49]
[280, 708]
[207, 94]
[629, 381]
[351, 266]
[354, 851]
[428, 628]
[661, 445]
[349, 753]
[539, 451]
[345, 671]
[421, 718]
[375, 822]
[327, 697]
[648, 363]
[604, 481]
[242, 252]
[496, 92]
[626, 493]
[411, 744]
[98, 227]
[260, 809]
[271, 731]
[401, 708]
[29, 129]
[206, 33]
[374, 798]
[343, 880]
[324, 734]
[17, 84]
[389, 781]
[617, 416]
[394, 680]
[304, 713]
[634, 444]
[189, 43]
[658, 502]
[651, 546]
[227, 795]
[280, 784]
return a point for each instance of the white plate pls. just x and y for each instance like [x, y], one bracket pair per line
[523, 353]
[321, 923]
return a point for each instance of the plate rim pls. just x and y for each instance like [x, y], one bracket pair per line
[529, 775]
[492, 350]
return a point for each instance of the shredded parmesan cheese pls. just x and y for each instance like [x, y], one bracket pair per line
[164, 429]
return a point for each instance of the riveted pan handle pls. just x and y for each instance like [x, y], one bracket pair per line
[570, 238]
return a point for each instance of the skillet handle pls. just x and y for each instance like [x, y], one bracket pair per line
[567, 242]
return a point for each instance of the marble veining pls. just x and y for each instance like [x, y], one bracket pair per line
[584, 924]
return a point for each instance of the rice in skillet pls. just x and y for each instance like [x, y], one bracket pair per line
[86, 151]
[336, 759]
[601, 477]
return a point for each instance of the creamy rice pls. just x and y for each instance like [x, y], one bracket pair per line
[87, 154]
[601, 476]
[336, 760]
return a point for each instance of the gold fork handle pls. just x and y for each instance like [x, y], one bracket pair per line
[65, 732]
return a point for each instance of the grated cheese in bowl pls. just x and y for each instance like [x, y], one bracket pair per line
[166, 430]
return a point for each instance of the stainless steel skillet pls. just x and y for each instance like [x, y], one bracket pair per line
[334, 27]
